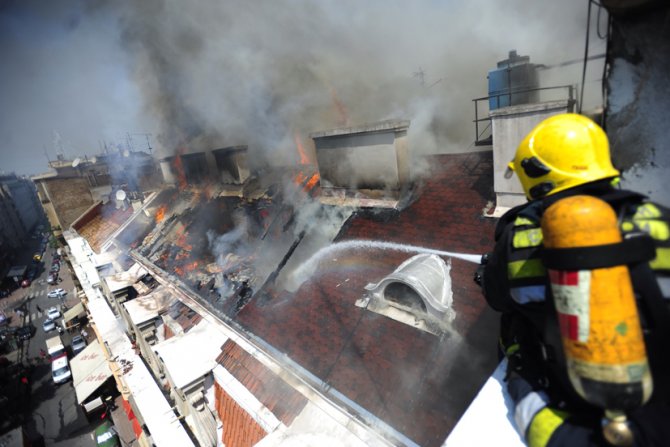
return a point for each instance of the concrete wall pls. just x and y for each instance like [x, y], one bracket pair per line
[231, 164]
[366, 157]
[510, 125]
[637, 116]
[166, 170]
[20, 211]
[25, 198]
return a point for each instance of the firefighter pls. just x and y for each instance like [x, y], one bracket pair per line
[564, 156]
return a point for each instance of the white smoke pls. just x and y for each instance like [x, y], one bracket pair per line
[255, 72]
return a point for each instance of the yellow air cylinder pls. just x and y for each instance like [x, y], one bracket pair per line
[598, 318]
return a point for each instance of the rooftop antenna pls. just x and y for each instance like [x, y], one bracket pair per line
[421, 76]
[145, 135]
[129, 142]
[46, 154]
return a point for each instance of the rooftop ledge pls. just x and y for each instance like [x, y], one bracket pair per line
[381, 126]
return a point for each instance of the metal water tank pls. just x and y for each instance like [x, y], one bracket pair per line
[512, 81]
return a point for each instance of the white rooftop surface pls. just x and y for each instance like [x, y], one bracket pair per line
[193, 354]
[104, 258]
[165, 427]
[89, 371]
[488, 419]
[148, 307]
[125, 279]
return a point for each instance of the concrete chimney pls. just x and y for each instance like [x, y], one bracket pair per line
[231, 164]
[166, 170]
[370, 162]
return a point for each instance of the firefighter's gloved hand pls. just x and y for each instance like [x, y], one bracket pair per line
[479, 273]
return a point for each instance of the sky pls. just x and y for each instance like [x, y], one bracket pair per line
[80, 77]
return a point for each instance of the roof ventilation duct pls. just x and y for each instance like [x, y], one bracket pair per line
[418, 293]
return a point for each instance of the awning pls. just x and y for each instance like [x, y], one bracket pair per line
[17, 271]
[89, 371]
[76, 311]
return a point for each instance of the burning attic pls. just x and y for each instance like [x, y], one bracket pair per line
[274, 266]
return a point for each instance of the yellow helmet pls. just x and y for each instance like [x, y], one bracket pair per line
[561, 152]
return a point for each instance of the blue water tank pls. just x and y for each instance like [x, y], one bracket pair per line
[512, 81]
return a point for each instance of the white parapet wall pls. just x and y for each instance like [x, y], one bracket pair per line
[510, 125]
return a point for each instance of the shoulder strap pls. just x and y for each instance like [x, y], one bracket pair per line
[657, 319]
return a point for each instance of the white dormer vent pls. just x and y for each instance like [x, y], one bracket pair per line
[418, 293]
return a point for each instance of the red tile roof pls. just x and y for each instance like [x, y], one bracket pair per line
[417, 383]
[275, 394]
[414, 381]
[101, 222]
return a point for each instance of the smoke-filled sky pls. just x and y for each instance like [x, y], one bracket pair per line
[77, 76]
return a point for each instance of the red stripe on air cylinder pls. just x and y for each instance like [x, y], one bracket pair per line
[564, 277]
[569, 325]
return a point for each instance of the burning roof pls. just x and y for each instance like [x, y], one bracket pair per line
[235, 254]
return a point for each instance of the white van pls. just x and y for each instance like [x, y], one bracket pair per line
[55, 347]
[60, 370]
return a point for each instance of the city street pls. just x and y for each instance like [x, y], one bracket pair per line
[53, 410]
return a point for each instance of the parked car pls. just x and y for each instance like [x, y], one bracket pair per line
[48, 325]
[78, 344]
[25, 283]
[55, 268]
[60, 370]
[53, 313]
[56, 293]
[25, 332]
[52, 278]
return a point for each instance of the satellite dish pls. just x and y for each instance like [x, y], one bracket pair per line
[126, 153]
[76, 162]
[94, 160]
[120, 195]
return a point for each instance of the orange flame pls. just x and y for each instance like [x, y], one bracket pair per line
[179, 167]
[181, 240]
[304, 159]
[301, 178]
[192, 266]
[160, 213]
[339, 108]
[312, 182]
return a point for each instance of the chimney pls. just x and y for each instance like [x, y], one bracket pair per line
[366, 165]
[231, 164]
[166, 170]
[195, 167]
